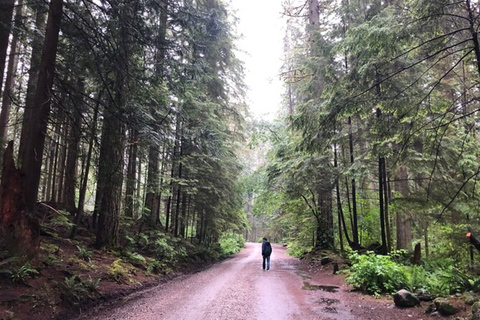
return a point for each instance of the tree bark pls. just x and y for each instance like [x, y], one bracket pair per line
[36, 57]
[73, 148]
[381, 186]
[403, 216]
[111, 171]
[83, 189]
[152, 182]
[131, 174]
[10, 79]
[35, 119]
[354, 186]
[6, 14]
[111, 160]
[19, 230]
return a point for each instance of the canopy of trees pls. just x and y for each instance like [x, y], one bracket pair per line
[380, 147]
[124, 109]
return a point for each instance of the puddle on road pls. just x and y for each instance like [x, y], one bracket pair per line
[327, 301]
[330, 310]
[303, 275]
[308, 286]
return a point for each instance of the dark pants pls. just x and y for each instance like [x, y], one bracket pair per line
[267, 259]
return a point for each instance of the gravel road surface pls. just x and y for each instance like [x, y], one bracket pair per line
[236, 288]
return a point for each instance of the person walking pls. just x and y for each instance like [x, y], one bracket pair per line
[266, 252]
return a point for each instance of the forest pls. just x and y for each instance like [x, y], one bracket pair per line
[125, 133]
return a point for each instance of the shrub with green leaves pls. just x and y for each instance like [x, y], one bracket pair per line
[297, 249]
[376, 274]
[155, 267]
[135, 258]
[231, 243]
[118, 271]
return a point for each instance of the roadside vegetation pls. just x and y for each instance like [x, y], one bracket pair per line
[69, 275]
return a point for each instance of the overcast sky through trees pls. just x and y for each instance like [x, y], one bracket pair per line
[262, 30]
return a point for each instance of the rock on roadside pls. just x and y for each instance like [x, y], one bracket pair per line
[405, 299]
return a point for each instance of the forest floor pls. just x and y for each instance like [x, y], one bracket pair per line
[50, 295]
[345, 303]
[70, 276]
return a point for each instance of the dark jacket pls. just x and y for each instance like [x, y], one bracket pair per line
[266, 249]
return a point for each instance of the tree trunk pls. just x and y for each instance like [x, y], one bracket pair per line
[36, 57]
[152, 182]
[354, 186]
[83, 190]
[131, 174]
[313, 13]
[381, 186]
[19, 230]
[111, 160]
[6, 14]
[10, 79]
[324, 238]
[62, 160]
[183, 217]
[179, 191]
[152, 199]
[111, 171]
[339, 202]
[50, 160]
[403, 216]
[53, 174]
[35, 119]
[73, 149]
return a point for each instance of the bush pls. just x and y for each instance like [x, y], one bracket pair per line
[296, 249]
[376, 274]
[231, 243]
[119, 271]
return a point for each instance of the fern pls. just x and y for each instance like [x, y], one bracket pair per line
[73, 290]
[21, 274]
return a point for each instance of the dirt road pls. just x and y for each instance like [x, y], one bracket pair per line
[238, 288]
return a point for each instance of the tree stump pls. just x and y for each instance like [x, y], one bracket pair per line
[417, 255]
[19, 230]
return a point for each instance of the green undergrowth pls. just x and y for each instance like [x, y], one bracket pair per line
[231, 243]
[385, 274]
[76, 273]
